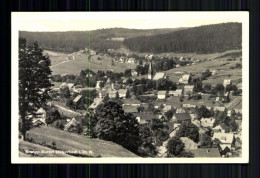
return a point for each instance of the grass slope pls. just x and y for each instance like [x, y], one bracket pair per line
[43, 151]
[67, 141]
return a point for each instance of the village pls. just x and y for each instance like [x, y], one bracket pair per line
[200, 115]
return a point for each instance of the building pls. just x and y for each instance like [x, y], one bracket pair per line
[177, 92]
[180, 117]
[195, 122]
[161, 95]
[239, 86]
[95, 104]
[227, 82]
[39, 117]
[224, 138]
[188, 89]
[71, 123]
[207, 122]
[150, 71]
[221, 109]
[130, 109]
[205, 152]
[222, 128]
[159, 75]
[122, 93]
[133, 73]
[184, 79]
[112, 94]
[189, 144]
[70, 85]
[77, 99]
[166, 108]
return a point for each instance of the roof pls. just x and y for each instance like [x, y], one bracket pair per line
[207, 122]
[97, 101]
[144, 116]
[180, 110]
[64, 84]
[219, 108]
[226, 81]
[73, 122]
[223, 137]
[77, 98]
[130, 109]
[161, 93]
[189, 144]
[205, 152]
[122, 91]
[223, 146]
[222, 126]
[196, 122]
[159, 75]
[188, 87]
[70, 85]
[186, 77]
[130, 101]
[167, 108]
[182, 116]
[203, 130]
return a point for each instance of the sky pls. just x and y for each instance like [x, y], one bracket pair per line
[84, 21]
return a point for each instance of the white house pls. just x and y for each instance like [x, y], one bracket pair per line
[184, 79]
[161, 95]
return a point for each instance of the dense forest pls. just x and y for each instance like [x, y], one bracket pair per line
[77, 40]
[203, 39]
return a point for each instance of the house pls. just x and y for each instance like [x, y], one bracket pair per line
[238, 111]
[180, 110]
[239, 86]
[77, 99]
[132, 102]
[70, 85]
[205, 152]
[227, 82]
[122, 93]
[131, 60]
[189, 144]
[221, 109]
[184, 79]
[166, 108]
[112, 94]
[95, 104]
[224, 138]
[180, 117]
[186, 105]
[40, 116]
[223, 128]
[72, 122]
[161, 95]
[143, 118]
[195, 122]
[188, 89]
[159, 75]
[203, 130]
[130, 109]
[98, 84]
[63, 85]
[133, 73]
[207, 122]
[102, 93]
[177, 92]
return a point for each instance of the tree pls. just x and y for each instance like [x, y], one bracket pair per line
[206, 74]
[198, 86]
[113, 124]
[175, 146]
[203, 112]
[205, 140]
[169, 114]
[34, 80]
[189, 130]
[146, 148]
[52, 116]
[219, 88]
[207, 88]
[65, 92]
[117, 96]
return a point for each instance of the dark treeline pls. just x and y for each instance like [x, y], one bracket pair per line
[77, 40]
[203, 39]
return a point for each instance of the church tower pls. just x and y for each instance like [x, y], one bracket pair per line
[150, 71]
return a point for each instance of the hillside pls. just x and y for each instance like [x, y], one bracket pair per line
[203, 39]
[78, 143]
[99, 39]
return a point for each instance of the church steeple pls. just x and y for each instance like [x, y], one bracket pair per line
[150, 71]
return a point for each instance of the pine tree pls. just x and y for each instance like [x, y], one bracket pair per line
[34, 81]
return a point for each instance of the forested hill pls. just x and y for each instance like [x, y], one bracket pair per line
[203, 39]
[99, 39]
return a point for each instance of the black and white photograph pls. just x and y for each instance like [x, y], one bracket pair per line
[130, 87]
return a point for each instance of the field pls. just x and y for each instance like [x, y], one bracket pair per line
[41, 150]
[60, 65]
[72, 142]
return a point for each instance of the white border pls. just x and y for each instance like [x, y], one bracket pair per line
[18, 17]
